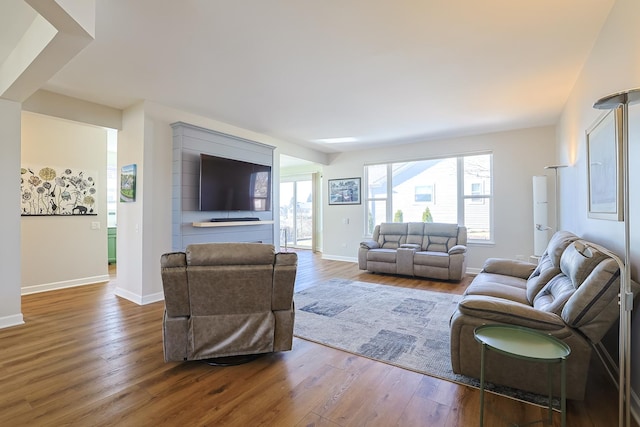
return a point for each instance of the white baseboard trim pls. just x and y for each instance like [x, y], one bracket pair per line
[150, 299]
[339, 258]
[138, 299]
[9, 321]
[34, 289]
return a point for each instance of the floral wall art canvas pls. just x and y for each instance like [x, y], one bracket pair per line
[48, 191]
[128, 183]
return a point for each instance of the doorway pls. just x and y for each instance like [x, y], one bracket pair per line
[296, 213]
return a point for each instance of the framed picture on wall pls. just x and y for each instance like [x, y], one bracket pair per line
[58, 191]
[128, 183]
[344, 191]
[604, 167]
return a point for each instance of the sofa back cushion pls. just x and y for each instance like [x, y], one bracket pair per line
[593, 307]
[577, 265]
[392, 235]
[584, 292]
[206, 254]
[554, 295]
[549, 263]
[415, 233]
[439, 237]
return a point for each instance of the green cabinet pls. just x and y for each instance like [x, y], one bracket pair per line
[111, 244]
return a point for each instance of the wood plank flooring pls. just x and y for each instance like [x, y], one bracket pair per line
[88, 358]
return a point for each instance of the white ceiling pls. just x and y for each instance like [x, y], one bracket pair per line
[379, 71]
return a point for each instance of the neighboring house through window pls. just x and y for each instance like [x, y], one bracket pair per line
[407, 190]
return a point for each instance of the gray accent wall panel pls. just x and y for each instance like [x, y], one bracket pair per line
[188, 142]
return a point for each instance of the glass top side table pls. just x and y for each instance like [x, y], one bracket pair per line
[526, 344]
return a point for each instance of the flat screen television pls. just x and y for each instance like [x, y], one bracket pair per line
[233, 185]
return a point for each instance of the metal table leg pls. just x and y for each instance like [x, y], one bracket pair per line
[484, 346]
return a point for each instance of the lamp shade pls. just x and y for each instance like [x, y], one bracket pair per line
[540, 215]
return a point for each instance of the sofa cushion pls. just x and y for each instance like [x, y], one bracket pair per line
[554, 295]
[382, 255]
[432, 259]
[558, 243]
[439, 237]
[578, 266]
[229, 254]
[594, 305]
[549, 263]
[415, 233]
[544, 272]
[392, 235]
[575, 268]
[499, 286]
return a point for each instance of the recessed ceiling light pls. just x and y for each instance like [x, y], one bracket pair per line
[337, 140]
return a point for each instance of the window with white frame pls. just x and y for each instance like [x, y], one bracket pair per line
[406, 190]
[424, 193]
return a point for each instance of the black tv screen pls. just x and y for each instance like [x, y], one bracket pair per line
[233, 185]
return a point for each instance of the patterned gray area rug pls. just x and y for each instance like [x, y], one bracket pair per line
[405, 327]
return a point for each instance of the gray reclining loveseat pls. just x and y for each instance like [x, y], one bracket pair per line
[423, 249]
[568, 295]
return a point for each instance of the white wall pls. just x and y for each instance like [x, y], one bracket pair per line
[10, 308]
[131, 228]
[64, 251]
[613, 66]
[144, 227]
[517, 156]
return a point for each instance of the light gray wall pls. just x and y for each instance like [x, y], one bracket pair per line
[188, 143]
[145, 227]
[517, 157]
[613, 66]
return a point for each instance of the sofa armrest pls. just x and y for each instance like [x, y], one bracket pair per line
[509, 312]
[457, 249]
[509, 267]
[369, 244]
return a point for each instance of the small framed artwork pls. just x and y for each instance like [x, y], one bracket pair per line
[345, 191]
[604, 167]
[128, 183]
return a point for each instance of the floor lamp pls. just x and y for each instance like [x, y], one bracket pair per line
[555, 168]
[609, 102]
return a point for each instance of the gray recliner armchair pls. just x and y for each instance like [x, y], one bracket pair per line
[227, 299]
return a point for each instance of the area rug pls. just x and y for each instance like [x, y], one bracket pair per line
[405, 327]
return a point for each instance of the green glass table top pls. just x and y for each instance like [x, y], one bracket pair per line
[522, 342]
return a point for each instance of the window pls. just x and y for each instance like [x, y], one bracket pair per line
[424, 193]
[406, 190]
[476, 189]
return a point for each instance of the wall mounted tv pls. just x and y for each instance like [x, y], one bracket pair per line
[233, 185]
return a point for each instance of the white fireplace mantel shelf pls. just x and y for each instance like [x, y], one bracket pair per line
[229, 223]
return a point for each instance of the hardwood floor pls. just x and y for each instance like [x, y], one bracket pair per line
[88, 358]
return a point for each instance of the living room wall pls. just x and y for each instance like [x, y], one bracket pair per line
[613, 66]
[517, 157]
[64, 251]
[10, 301]
[147, 139]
